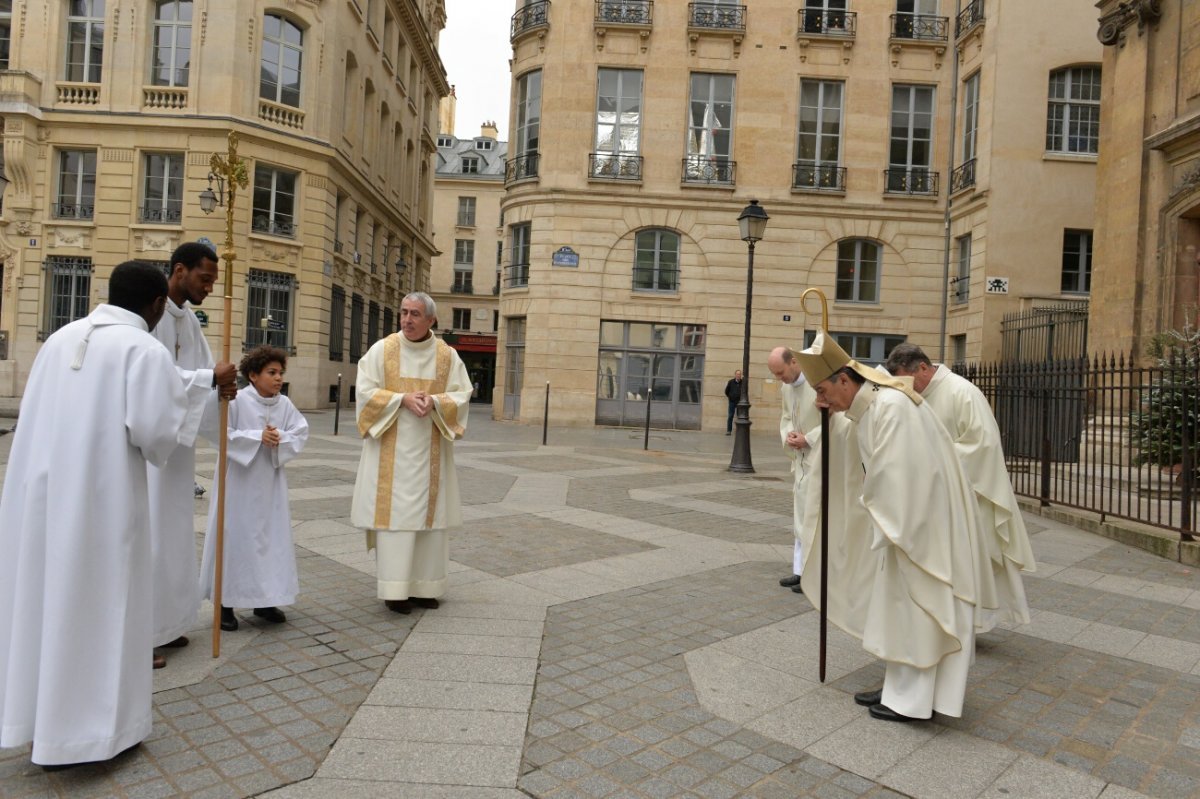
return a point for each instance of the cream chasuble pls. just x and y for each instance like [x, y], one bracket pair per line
[800, 415]
[967, 416]
[406, 479]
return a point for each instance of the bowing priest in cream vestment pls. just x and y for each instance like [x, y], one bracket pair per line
[932, 571]
[967, 416]
[412, 395]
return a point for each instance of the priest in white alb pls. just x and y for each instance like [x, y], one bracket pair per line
[172, 500]
[103, 399]
[412, 393]
[967, 416]
[932, 570]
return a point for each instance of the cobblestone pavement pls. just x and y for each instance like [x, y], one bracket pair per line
[614, 628]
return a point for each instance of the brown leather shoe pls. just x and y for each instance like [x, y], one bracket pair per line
[398, 606]
[424, 602]
[160, 662]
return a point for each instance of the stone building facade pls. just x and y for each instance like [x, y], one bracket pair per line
[865, 129]
[1148, 215]
[112, 111]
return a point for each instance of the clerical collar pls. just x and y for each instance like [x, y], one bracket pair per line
[264, 400]
[799, 381]
[867, 393]
[175, 310]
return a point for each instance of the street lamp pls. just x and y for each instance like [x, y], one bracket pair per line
[752, 224]
[210, 200]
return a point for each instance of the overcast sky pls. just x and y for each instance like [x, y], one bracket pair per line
[475, 49]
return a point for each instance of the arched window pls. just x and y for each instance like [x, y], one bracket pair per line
[171, 56]
[656, 261]
[858, 271]
[1073, 116]
[282, 54]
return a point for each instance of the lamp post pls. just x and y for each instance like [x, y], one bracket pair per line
[752, 224]
[229, 171]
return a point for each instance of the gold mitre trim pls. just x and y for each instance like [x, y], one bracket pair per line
[821, 360]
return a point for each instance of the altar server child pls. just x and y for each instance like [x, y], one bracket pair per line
[265, 432]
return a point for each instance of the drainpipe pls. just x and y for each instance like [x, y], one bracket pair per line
[949, 182]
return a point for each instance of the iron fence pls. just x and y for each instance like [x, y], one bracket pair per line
[1102, 434]
[1055, 332]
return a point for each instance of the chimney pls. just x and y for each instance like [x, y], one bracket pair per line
[446, 113]
[488, 130]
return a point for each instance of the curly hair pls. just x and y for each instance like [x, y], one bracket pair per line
[257, 359]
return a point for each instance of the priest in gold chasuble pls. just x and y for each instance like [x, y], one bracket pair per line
[412, 395]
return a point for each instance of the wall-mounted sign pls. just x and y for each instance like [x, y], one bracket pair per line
[787, 317]
[997, 285]
[565, 256]
[202, 317]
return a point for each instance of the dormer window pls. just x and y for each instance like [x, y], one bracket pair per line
[470, 166]
[483, 144]
[445, 141]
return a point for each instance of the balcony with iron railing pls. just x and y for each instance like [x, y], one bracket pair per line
[635, 13]
[708, 16]
[910, 181]
[920, 27]
[963, 177]
[969, 18]
[708, 170]
[529, 18]
[158, 215]
[821, 23]
[521, 167]
[818, 177]
[614, 166]
[463, 287]
[72, 210]
[262, 223]
[516, 276]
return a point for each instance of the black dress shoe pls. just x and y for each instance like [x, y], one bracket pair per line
[790, 580]
[869, 698]
[797, 589]
[885, 713]
[229, 622]
[179, 642]
[398, 606]
[424, 602]
[273, 615]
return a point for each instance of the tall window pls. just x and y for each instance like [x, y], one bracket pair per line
[5, 31]
[514, 365]
[858, 271]
[462, 318]
[529, 124]
[1073, 118]
[85, 40]
[710, 129]
[518, 269]
[282, 54]
[466, 212]
[76, 184]
[913, 20]
[464, 252]
[822, 15]
[269, 309]
[656, 261]
[464, 280]
[337, 323]
[68, 291]
[958, 349]
[274, 201]
[962, 282]
[356, 328]
[172, 53]
[389, 320]
[372, 323]
[911, 149]
[970, 117]
[162, 188]
[618, 118]
[819, 143]
[1077, 261]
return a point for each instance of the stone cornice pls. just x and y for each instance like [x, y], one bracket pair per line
[1114, 23]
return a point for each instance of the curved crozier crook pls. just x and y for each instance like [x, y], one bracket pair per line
[824, 305]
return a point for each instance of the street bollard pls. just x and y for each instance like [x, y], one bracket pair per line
[546, 414]
[337, 404]
[649, 399]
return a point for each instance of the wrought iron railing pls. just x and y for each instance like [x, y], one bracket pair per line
[530, 16]
[159, 215]
[652, 279]
[625, 12]
[1055, 332]
[910, 181]
[708, 169]
[1102, 434]
[920, 26]
[521, 167]
[73, 211]
[960, 289]
[968, 18]
[462, 288]
[963, 177]
[338, 246]
[516, 275]
[717, 16]
[818, 22]
[262, 223]
[818, 177]
[614, 166]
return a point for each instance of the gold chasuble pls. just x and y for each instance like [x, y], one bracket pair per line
[406, 477]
